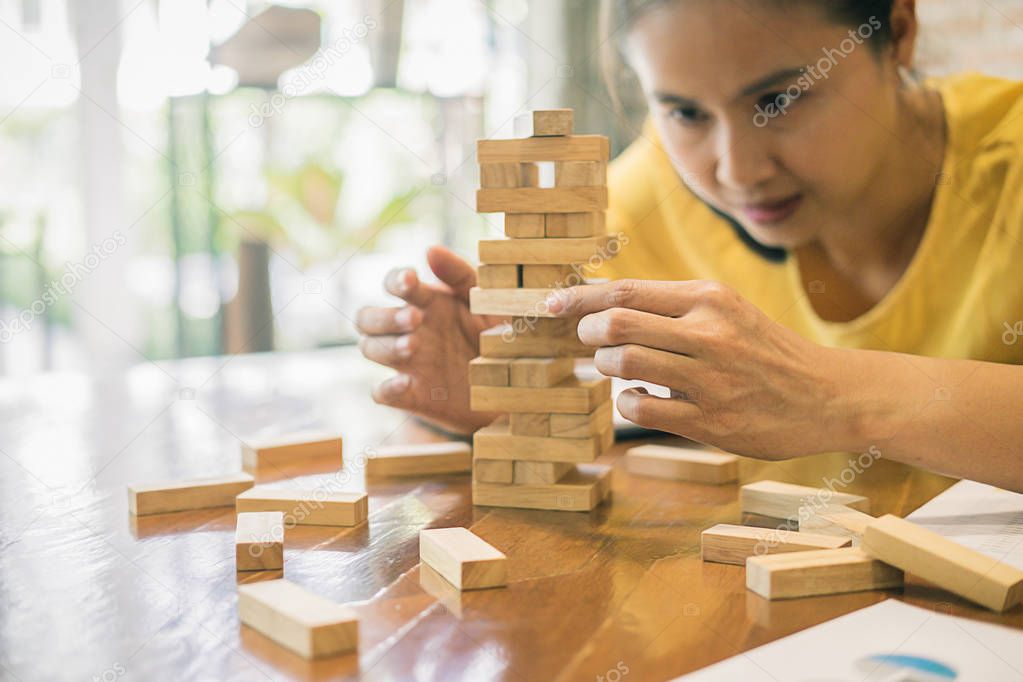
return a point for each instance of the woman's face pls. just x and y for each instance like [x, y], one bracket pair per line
[770, 112]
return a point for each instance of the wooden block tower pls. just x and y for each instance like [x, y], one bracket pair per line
[552, 187]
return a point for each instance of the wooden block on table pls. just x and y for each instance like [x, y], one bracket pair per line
[573, 396]
[530, 424]
[309, 625]
[493, 470]
[575, 225]
[546, 123]
[499, 276]
[541, 473]
[525, 225]
[580, 173]
[284, 449]
[949, 565]
[534, 149]
[541, 200]
[828, 571]
[497, 442]
[259, 541]
[834, 519]
[582, 425]
[541, 372]
[450, 457]
[489, 372]
[579, 490]
[197, 493]
[463, 558]
[682, 464]
[729, 544]
[508, 175]
[313, 507]
[783, 500]
[542, 337]
[548, 276]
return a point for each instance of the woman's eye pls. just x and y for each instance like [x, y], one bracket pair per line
[781, 100]
[687, 114]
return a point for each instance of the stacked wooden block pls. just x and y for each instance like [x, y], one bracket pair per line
[552, 187]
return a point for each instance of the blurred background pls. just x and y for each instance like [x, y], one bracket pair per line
[198, 177]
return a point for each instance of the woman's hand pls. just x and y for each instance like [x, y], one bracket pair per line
[430, 342]
[738, 380]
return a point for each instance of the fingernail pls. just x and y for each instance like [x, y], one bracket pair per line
[399, 384]
[554, 303]
[404, 346]
[404, 318]
[403, 281]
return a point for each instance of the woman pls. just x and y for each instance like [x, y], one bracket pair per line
[823, 255]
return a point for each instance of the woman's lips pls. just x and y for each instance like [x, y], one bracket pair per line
[773, 212]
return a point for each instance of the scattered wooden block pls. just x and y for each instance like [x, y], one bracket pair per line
[313, 507]
[783, 500]
[285, 449]
[497, 442]
[580, 173]
[309, 625]
[197, 493]
[463, 558]
[507, 175]
[541, 251]
[682, 464]
[548, 276]
[829, 571]
[537, 200]
[530, 424]
[540, 473]
[259, 541]
[541, 372]
[582, 425]
[949, 565]
[493, 470]
[573, 395]
[489, 372]
[533, 149]
[450, 457]
[834, 519]
[579, 490]
[761, 521]
[542, 337]
[729, 544]
[525, 225]
[545, 123]
[499, 276]
[575, 225]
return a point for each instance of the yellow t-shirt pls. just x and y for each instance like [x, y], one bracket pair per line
[960, 297]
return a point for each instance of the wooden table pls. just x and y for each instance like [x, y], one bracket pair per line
[87, 591]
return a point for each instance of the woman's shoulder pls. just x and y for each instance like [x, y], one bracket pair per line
[982, 111]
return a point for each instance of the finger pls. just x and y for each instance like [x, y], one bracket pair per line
[649, 364]
[391, 351]
[673, 299]
[621, 326]
[653, 412]
[404, 283]
[453, 270]
[370, 320]
[396, 392]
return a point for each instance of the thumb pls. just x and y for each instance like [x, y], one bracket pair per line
[453, 270]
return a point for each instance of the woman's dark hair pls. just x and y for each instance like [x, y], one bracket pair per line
[618, 16]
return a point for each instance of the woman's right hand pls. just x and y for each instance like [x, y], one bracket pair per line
[430, 341]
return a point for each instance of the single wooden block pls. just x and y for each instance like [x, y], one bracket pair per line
[313, 507]
[541, 200]
[949, 565]
[682, 464]
[450, 457]
[534, 149]
[259, 541]
[530, 424]
[541, 251]
[729, 544]
[546, 123]
[541, 372]
[582, 425]
[541, 473]
[497, 442]
[573, 395]
[542, 337]
[306, 623]
[465, 560]
[509, 302]
[284, 449]
[783, 500]
[548, 276]
[575, 225]
[507, 175]
[525, 225]
[493, 470]
[827, 571]
[197, 493]
[834, 519]
[499, 276]
[580, 173]
[489, 372]
[580, 490]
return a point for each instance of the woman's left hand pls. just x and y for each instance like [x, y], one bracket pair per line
[739, 381]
